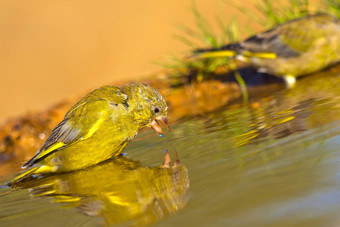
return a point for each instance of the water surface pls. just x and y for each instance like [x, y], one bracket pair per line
[274, 161]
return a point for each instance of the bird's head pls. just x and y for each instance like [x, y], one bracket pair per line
[147, 105]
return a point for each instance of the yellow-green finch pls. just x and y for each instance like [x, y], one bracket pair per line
[98, 128]
[295, 48]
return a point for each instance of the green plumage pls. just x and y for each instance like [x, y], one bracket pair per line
[301, 46]
[97, 128]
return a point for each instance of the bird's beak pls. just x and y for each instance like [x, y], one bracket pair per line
[155, 125]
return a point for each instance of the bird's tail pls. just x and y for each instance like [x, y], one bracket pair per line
[229, 50]
[23, 175]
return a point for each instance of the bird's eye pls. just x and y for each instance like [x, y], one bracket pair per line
[156, 110]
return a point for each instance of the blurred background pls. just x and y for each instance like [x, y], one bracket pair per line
[51, 50]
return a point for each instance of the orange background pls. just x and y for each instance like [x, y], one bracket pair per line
[50, 50]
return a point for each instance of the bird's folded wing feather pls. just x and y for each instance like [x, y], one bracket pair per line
[272, 41]
[80, 122]
[292, 38]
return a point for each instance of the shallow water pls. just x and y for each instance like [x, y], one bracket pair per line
[274, 161]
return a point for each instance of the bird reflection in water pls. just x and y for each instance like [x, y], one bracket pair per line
[277, 121]
[119, 190]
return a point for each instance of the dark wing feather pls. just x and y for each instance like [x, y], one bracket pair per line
[62, 135]
[269, 42]
[266, 42]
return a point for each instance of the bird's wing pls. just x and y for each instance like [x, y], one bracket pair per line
[270, 41]
[292, 38]
[80, 122]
